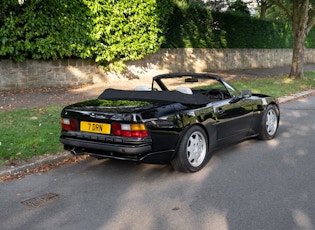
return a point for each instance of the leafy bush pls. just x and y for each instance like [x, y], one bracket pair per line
[104, 30]
[45, 30]
[128, 30]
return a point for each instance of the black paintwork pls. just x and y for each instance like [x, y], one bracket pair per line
[166, 114]
[155, 96]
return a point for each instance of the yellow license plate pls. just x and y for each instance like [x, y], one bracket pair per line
[94, 127]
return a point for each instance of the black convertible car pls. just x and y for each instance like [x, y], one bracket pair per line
[181, 118]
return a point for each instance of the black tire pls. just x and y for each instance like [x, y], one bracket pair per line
[269, 123]
[192, 152]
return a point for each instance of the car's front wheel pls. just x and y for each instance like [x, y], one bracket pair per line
[192, 152]
[269, 123]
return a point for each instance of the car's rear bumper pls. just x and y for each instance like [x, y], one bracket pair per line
[106, 147]
[142, 152]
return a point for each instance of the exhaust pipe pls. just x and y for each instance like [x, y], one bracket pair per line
[77, 151]
[73, 151]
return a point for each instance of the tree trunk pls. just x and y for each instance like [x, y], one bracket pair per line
[263, 9]
[300, 18]
[297, 65]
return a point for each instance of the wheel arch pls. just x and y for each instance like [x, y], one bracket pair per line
[187, 128]
[276, 105]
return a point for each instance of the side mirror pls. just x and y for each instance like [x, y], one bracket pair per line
[246, 93]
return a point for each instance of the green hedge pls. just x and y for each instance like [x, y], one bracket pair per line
[104, 30]
[193, 25]
[118, 30]
[310, 39]
[190, 27]
[49, 29]
[243, 31]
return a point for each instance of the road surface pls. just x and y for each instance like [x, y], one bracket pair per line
[251, 185]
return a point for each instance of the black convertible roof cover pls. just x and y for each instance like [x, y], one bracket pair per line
[155, 96]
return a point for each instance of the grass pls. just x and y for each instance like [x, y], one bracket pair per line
[276, 85]
[29, 132]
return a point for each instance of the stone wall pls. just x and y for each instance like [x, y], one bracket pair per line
[76, 72]
[36, 74]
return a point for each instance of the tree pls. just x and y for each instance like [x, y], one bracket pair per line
[239, 6]
[273, 12]
[216, 5]
[303, 19]
[264, 5]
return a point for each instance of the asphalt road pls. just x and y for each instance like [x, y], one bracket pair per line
[251, 185]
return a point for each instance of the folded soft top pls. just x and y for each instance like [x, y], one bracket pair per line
[155, 96]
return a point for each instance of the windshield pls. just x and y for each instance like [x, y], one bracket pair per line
[209, 86]
[233, 91]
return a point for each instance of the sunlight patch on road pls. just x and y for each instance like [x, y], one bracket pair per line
[301, 152]
[166, 213]
[273, 143]
[286, 134]
[216, 221]
[302, 220]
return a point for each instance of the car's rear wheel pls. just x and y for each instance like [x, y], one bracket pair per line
[192, 151]
[269, 123]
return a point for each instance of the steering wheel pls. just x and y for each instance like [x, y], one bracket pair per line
[215, 94]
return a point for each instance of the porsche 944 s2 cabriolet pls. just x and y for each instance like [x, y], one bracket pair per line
[180, 119]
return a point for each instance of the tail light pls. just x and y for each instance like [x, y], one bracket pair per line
[124, 130]
[129, 130]
[68, 124]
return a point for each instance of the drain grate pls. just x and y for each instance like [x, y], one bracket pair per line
[41, 200]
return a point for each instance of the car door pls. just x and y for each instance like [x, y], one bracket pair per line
[233, 119]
